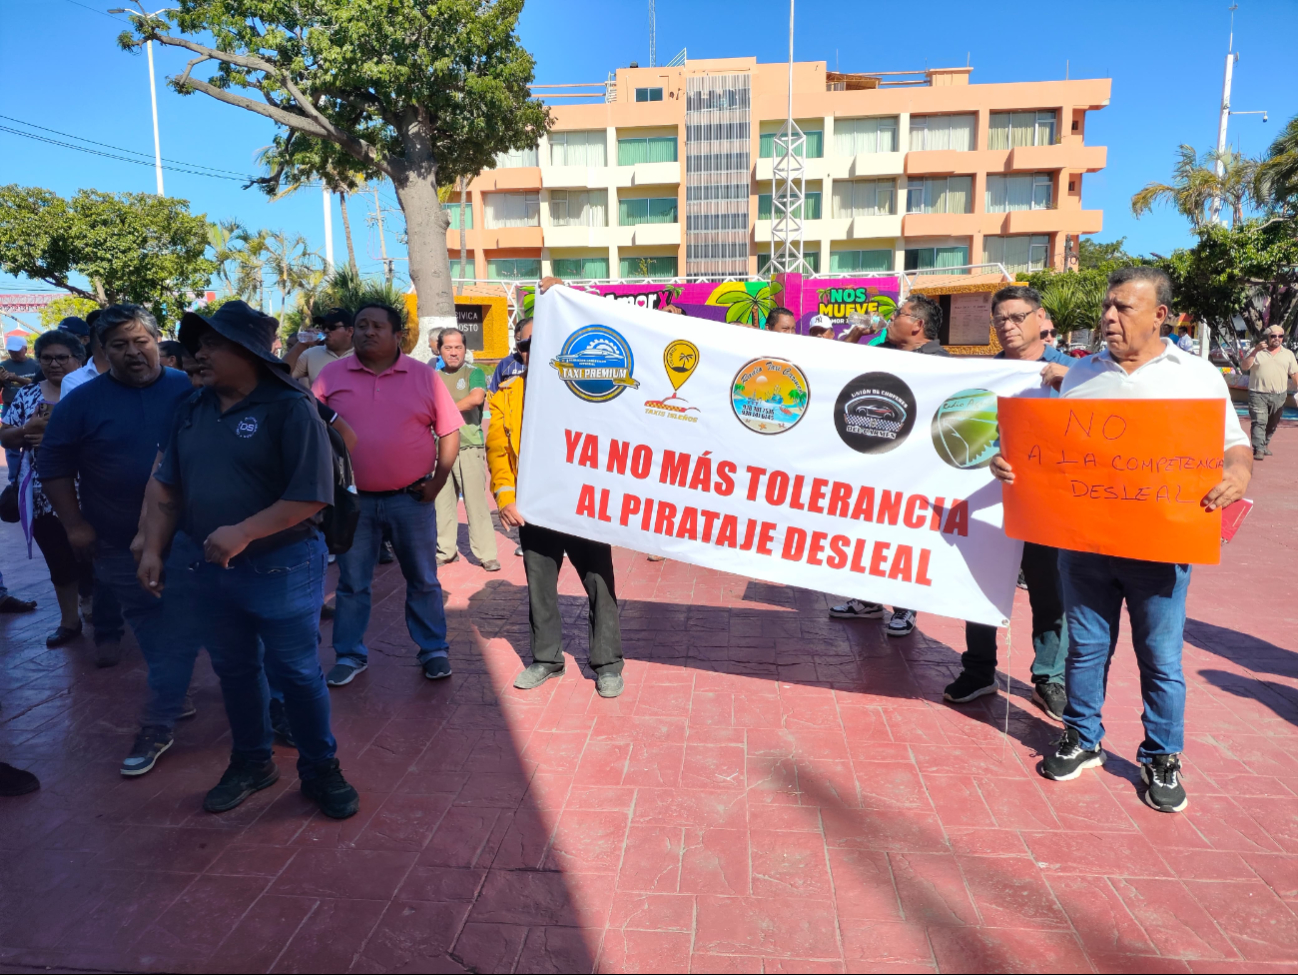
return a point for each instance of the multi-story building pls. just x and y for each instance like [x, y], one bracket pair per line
[670, 174]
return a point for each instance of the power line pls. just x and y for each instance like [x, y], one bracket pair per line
[105, 13]
[109, 155]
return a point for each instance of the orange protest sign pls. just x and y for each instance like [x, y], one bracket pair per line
[1115, 477]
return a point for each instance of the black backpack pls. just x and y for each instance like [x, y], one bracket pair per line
[339, 520]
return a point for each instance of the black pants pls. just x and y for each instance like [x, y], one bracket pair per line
[543, 552]
[1049, 632]
[65, 569]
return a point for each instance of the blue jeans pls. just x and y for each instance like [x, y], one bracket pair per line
[1094, 587]
[412, 526]
[259, 618]
[163, 627]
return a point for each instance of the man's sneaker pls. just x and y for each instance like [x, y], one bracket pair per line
[491, 565]
[386, 555]
[279, 725]
[16, 781]
[609, 685]
[240, 781]
[518, 551]
[1051, 698]
[453, 558]
[1267, 451]
[1258, 455]
[435, 668]
[343, 672]
[326, 787]
[902, 622]
[187, 709]
[149, 744]
[12, 604]
[969, 687]
[536, 674]
[108, 653]
[854, 609]
[86, 608]
[1070, 758]
[327, 611]
[1163, 776]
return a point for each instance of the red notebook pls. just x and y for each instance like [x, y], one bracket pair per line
[1232, 516]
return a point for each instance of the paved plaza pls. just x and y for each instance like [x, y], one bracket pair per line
[775, 792]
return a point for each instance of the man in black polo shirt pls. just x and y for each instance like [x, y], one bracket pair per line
[245, 475]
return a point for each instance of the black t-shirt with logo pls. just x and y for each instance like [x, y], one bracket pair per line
[230, 465]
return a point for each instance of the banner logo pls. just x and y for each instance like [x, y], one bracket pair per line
[680, 359]
[874, 413]
[596, 363]
[965, 433]
[769, 395]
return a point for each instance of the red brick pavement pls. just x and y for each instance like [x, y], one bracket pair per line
[775, 791]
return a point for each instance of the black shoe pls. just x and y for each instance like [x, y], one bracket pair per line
[327, 611]
[327, 788]
[108, 653]
[1070, 758]
[280, 726]
[63, 634]
[240, 781]
[187, 709]
[969, 687]
[150, 743]
[1023, 580]
[386, 555]
[12, 604]
[1163, 776]
[16, 781]
[435, 668]
[1051, 698]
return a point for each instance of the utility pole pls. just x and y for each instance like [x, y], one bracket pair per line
[328, 227]
[1231, 58]
[157, 143]
[383, 244]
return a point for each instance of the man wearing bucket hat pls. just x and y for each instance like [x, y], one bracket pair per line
[245, 475]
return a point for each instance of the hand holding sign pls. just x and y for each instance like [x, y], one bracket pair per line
[1115, 477]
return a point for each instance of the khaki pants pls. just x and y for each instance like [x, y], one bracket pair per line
[468, 477]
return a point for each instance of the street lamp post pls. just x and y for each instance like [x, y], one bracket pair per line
[153, 98]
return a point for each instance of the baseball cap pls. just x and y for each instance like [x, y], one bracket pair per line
[15, 343]
[340, 316]
[74, 324]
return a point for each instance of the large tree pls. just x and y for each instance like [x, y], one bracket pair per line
[420, 91]
[133, 247]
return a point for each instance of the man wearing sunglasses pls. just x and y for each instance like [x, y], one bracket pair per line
[1269, 366]
[336, 324]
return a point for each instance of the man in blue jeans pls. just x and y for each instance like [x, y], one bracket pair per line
[407, 439]
[1136, 364]
[247, 470]
[108, 432]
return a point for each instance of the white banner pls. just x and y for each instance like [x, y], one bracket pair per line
[853, 470]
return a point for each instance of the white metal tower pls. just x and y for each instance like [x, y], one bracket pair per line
[653, 36]
[788, 189]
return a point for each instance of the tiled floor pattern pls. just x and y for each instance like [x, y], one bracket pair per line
[775, 792]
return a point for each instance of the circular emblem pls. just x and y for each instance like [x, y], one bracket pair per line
[246, 427]
[965, 433]
[874, 413]
[596, 363]
[769, 395]
[459, 383]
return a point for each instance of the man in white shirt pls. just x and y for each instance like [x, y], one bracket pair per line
[98, 360]
[336, 325]
[1137, 364]
[1269, 366]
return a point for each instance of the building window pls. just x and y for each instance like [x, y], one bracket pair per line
[812, 257]
[579, 148]
[705, 222]
[815, 144]
[513, 268]
[468, 268]
[864, 198]
[516, 158]
[648, 94]
[513, 210]
[810, 207]
[1030, 192]
[937, 258]
[1027, 252]
[570, 268]
[579, 208]
[656, 210]
[1011, 129]
[941, 132]
[867, 261]
[853, 136]
[647, 267]
[453, 211]
[659, 149]
[946, 194]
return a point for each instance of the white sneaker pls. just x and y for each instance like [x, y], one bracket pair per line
[902, 622]
[86, 608]
[854, 609]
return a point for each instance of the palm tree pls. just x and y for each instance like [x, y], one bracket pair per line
[224, 239]
[250, 280]
[1074, 301]
[1196, 185]
[1276, 184]
[289, 260]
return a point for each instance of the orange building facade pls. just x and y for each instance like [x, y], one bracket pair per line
[670, 175]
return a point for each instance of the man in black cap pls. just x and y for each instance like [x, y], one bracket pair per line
[245, 474]
[308, 358]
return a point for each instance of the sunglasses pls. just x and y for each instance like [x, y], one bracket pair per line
[1050, 333]
[523, 345]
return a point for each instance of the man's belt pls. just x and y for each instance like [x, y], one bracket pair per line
[410, 488]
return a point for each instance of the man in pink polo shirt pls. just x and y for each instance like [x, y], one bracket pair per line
[407, 430]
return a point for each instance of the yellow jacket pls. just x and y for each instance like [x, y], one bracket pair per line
[504, 434]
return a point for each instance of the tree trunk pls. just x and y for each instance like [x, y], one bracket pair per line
[430, 267]
[347, 233]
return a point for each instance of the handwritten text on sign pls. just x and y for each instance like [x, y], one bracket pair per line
[1115, 477]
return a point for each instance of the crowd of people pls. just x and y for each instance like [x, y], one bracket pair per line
[196, 489]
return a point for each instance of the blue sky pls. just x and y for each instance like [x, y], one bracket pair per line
[60, 68]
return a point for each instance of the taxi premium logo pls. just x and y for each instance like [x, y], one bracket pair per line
[680, 359]
[874, 413]
[769, 396]
[965, 432]
[596, 363]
